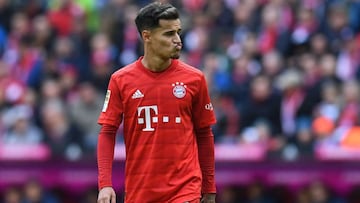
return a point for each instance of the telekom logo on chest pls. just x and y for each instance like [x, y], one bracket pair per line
[148, 120]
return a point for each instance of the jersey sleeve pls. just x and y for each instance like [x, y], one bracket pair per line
[203, 111]
[112, 110]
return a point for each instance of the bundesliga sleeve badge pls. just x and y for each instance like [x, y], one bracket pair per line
[106, 102]
[179, 90]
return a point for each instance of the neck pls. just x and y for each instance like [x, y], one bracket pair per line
[155, 64]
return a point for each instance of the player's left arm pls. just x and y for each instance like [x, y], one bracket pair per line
[205, 141]
[203, 118]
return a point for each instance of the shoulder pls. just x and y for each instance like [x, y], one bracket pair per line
[124, 71]
[191, 70]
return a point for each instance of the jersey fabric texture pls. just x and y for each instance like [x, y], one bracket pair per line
[160, 112]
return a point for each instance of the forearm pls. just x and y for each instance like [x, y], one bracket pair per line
[105, 154]
[205, 141]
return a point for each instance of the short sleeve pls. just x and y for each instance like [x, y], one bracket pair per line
[203, 111]
[112, 110]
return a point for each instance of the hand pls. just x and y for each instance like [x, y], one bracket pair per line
[107, 195]
[208, 198]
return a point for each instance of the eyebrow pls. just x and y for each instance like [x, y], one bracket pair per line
[173, 31]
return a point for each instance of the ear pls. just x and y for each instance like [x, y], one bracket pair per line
[146, 35]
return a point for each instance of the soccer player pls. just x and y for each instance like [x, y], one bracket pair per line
[166, 111]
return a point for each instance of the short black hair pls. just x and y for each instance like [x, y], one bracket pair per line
[149, 16]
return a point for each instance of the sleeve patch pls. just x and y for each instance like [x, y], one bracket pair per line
[106, 102]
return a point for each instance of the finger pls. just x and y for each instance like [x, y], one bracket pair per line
[104, 200]
[113, 198]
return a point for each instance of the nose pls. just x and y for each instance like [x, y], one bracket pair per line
[177, 39]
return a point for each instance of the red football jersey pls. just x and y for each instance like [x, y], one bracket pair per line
[160, 111]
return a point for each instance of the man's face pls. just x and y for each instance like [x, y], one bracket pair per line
[165, 41]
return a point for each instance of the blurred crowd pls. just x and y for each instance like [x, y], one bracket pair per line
[33, 191]
[281, 73]
[256, 192]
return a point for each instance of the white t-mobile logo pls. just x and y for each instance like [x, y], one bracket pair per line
[148, 118]
[153, 119]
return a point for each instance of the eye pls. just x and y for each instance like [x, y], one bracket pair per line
[173, 32]
[170, 33]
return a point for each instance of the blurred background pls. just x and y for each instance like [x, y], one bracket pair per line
[283, 76]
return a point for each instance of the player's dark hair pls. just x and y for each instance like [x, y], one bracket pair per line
[149, 16]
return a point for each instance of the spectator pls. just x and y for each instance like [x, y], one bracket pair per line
[228, 118]
[320, 193]
[20, 129]
[62, 14]
[12, 195]
[6, 11]
[243, 69]
[262, 104]
[102, 60]
[256, 194]
[83, 109]
[62, 136]
[350, 106]
[231, 194]
[290, 83]
[44, 36]
[90, 196]
[34, 192]
[319, 44]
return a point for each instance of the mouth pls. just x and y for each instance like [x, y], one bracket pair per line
[178, 47]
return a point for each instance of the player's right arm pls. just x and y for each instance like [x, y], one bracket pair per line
[105, 157]
[109, 119]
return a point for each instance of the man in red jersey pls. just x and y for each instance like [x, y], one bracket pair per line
[166, 111]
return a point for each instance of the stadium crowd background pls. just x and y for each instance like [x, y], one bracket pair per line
[283, 75]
